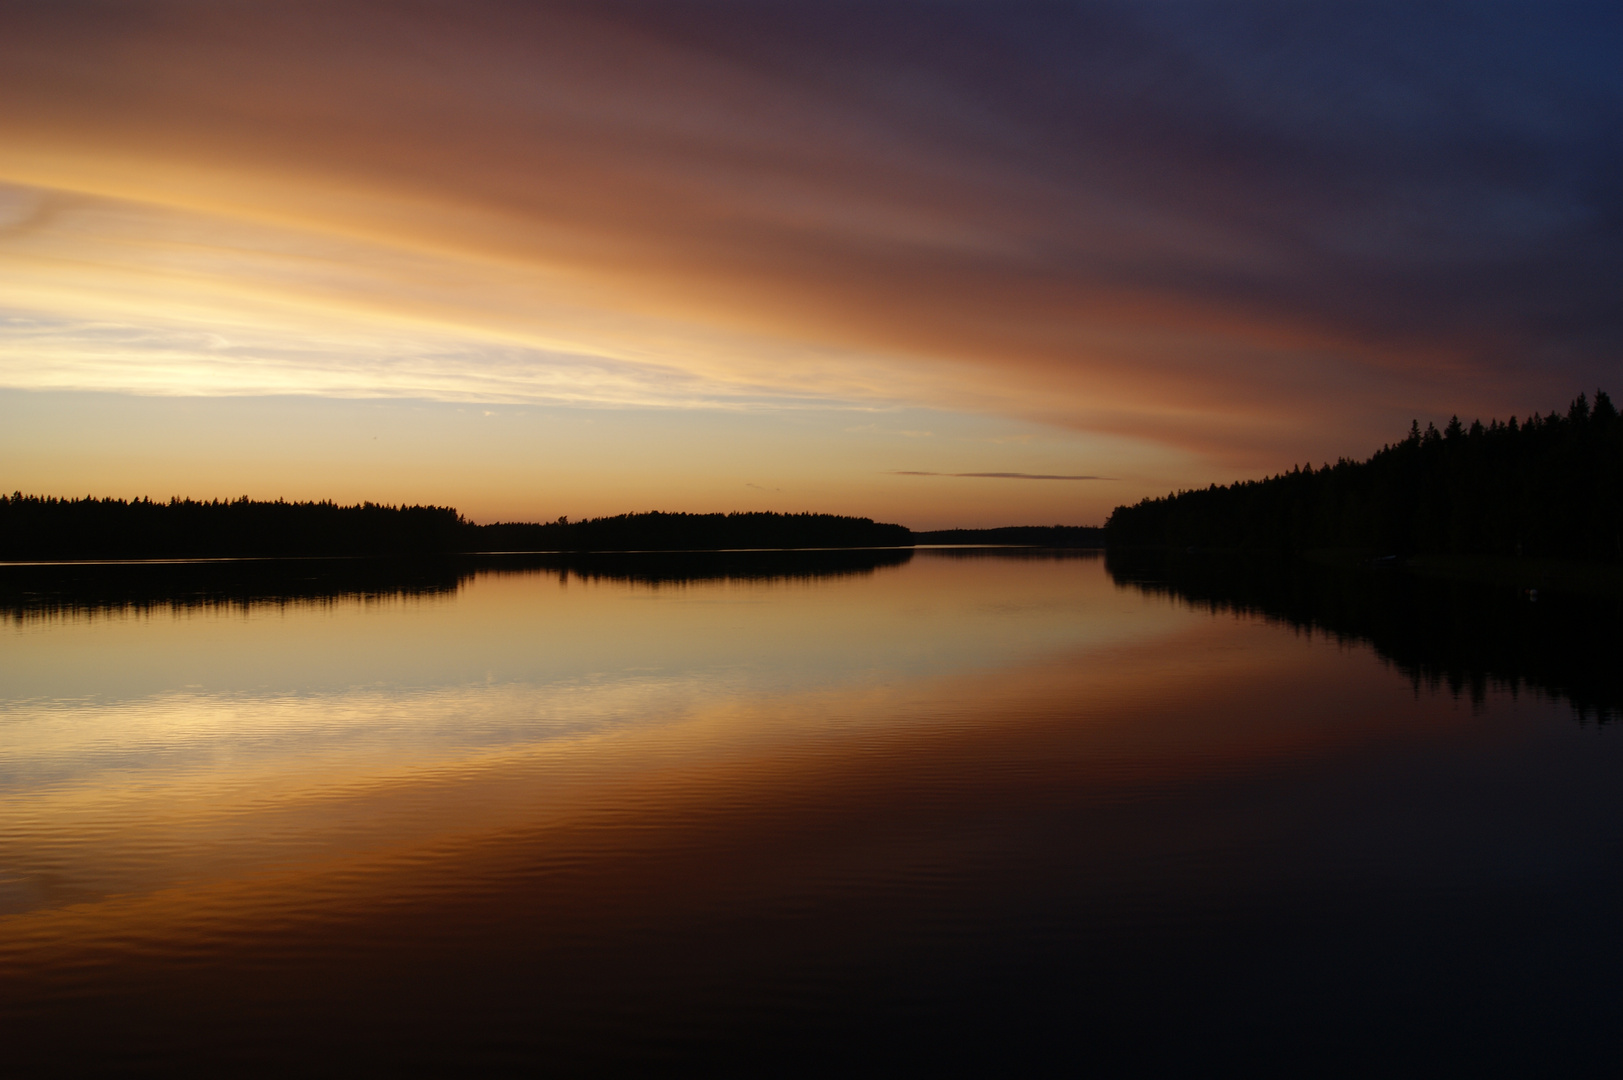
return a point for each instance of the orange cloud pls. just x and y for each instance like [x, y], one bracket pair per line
[624, 204]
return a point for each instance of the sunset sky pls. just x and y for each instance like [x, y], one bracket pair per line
[939, 264]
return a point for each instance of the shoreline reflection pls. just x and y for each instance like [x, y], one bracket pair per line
[975, 811]
[48, 590]
[1436, 632]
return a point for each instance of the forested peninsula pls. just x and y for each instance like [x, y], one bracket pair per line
[1550, 486]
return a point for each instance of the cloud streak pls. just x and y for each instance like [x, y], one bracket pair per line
[1254, 233]
[997, 475]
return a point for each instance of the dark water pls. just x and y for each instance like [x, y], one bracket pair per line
[871, 813]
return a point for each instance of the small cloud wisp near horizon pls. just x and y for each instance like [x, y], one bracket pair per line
[996, 475]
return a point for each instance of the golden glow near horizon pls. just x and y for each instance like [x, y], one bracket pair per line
[603, 219]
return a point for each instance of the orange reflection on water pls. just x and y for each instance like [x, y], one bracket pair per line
[540, 805]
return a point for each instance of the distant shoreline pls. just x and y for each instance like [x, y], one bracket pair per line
[43, 530]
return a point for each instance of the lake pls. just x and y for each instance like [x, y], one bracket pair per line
[766, 813]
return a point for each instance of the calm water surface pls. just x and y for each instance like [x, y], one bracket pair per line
[920, 814]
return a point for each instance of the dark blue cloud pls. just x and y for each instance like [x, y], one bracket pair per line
[1443, 174]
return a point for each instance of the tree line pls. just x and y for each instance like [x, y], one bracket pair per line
[658, 531]
[1548, 486]
[34, 527]
[40, 527]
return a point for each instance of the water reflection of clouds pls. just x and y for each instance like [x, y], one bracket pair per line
[511, 659]
[609, 779]
[215, 743]
[161, 745]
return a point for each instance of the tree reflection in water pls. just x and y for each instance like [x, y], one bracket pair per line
[1462, 634]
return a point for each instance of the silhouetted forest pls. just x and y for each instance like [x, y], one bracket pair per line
[689, 532]
[1439, 632]
[1054, 536]
[34, 527]
[1549, 486]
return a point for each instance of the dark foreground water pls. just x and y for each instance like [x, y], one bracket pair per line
[870, 813]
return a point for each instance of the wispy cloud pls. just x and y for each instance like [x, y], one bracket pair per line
[1191, 225]
[997, 475]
